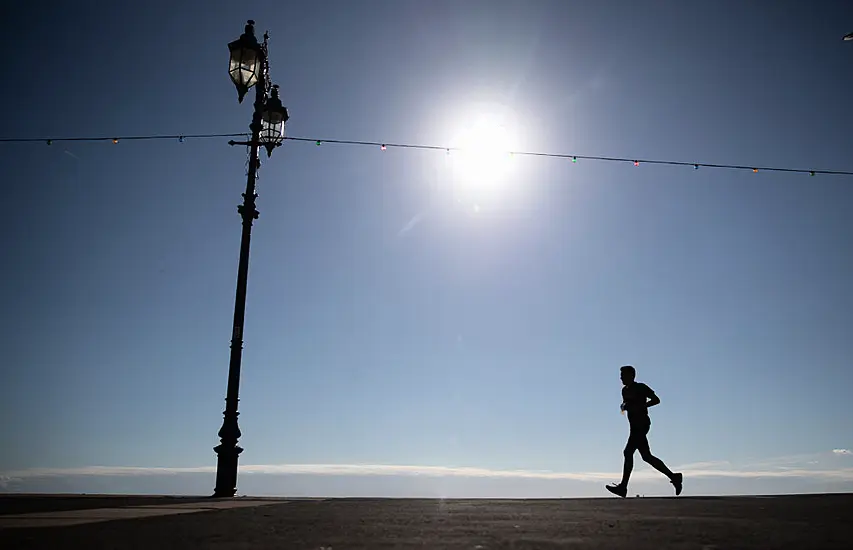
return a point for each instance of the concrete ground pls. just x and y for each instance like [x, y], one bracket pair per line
[722, 523]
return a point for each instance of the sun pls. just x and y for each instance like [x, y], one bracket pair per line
[481, 157]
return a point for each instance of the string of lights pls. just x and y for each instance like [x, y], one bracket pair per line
[386, 145]
[116, 139]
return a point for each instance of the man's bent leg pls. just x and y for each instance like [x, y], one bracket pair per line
[656, 463]
[642, 442]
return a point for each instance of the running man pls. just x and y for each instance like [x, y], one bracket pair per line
[636, 400]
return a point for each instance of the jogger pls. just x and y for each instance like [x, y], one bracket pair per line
[636, 400]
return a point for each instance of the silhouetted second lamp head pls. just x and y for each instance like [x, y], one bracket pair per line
[272, 121]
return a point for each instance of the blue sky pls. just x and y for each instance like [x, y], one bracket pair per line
[391, 325]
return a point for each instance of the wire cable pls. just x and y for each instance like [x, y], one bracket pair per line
[575, 158]
[116, 139]
[386, 145]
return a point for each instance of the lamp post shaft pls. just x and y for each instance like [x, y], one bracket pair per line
[227, 451]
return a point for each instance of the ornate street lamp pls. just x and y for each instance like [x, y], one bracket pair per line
[248, 68]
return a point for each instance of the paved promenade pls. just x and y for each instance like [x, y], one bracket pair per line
[162, 523]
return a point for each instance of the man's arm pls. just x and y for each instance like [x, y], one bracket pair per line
[653, 398]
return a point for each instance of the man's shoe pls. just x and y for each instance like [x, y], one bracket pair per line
[676, 482]
[619, 490]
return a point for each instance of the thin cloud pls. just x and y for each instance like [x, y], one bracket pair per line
[843, 474]
[712, 464]
[70, 154]
[784, 461]
[430, 471]
[707, 469]
[314, 469]
[104, 471]
[799, 461]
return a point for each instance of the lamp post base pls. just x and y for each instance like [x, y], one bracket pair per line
[226, 470]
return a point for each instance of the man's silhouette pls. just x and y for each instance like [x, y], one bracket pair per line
[636, 400]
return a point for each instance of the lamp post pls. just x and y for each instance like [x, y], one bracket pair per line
[248, 68]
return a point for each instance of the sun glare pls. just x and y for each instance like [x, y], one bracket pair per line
[480, 155]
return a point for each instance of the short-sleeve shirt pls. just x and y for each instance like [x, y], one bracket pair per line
[634, 396]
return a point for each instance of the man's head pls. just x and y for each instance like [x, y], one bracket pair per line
[627, 374]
